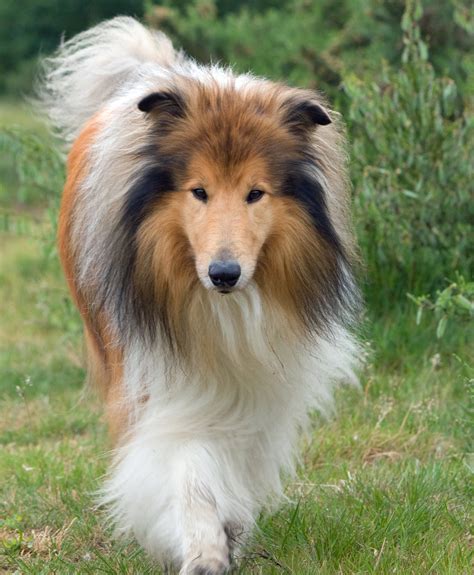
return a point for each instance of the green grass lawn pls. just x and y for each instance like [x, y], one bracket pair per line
[384, 487]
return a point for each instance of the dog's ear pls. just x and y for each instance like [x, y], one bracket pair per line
[170, 103]
[303, 115]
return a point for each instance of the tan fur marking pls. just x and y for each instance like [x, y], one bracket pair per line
[294, 260]
[104, 361]
[165, 262]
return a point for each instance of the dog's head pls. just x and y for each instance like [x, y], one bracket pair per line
[235, 188]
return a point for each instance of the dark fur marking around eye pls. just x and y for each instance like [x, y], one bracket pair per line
[309, 192]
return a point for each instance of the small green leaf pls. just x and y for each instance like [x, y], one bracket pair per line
[419, 315]
[418, 11]
[423, 50]
[464, 303]
[410, 194]
[406, 21]
[441, 327]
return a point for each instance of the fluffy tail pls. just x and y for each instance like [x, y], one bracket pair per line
[87, 70]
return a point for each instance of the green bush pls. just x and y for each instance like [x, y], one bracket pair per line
[312, 44]
[32, 168]
[31, 179]
[34, 28]
[279, 43]
[413, 174]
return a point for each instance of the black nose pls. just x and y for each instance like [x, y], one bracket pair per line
[224, 274]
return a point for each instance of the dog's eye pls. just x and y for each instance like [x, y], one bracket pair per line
[200, 194]
[254, 196]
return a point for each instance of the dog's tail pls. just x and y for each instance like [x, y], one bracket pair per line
[88, 69]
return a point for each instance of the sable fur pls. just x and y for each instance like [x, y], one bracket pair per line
[206, 394]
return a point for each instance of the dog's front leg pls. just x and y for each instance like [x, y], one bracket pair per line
[206, 549]
[172, 492]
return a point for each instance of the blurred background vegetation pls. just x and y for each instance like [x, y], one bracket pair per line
[304, 42]
[387, 486]
[403, 84]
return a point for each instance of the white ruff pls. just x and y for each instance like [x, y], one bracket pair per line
[218, 440]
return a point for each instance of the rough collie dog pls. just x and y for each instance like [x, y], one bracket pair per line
[205, 237]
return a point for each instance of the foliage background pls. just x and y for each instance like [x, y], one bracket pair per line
[387, 486]
[410, 121]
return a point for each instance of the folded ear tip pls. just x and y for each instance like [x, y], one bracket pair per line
[166, 102]
[325, 121]
[147, 103]
[303, 115]
[319, 115]
[142, 106]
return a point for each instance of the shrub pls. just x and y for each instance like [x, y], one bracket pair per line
[32, 167]
[413, 173]
[35, 27]
[308, 43]
[31, 177]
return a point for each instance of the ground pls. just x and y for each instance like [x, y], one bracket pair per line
[385, 486]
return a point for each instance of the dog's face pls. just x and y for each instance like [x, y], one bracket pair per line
[227, 218]
[233, 151]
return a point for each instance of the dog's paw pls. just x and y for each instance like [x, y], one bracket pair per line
[209, 568]
[217, 563]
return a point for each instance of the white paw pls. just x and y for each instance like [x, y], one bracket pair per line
[212, 561]
[210, 568]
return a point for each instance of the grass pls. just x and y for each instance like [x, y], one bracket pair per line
[384, 487]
